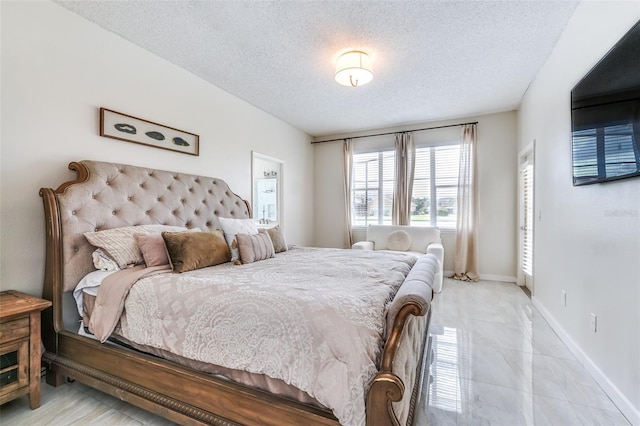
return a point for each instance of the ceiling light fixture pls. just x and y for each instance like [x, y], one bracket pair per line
[354, 68]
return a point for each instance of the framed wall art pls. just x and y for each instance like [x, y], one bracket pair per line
[127, 128]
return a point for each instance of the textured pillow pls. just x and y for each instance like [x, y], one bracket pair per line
[154, 251]
[120, 245]
[399, 241]
[194, 250]
[233, 227]
[103, 262]
[255, 247]
[277, 238]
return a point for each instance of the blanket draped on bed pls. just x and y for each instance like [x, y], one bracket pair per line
[313, 318]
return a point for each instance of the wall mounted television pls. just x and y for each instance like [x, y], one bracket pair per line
[605, 116]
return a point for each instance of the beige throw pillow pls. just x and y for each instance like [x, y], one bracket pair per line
[277, 238]
[399, 241]
[188, 251]
[255, 247]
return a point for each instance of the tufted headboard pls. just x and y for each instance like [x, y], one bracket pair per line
[109, 195]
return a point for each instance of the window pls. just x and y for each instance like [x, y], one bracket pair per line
[373, 182]
[435, 187]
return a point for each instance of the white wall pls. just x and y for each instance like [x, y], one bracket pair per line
[58, 69]
[587, 241]
[497, 180]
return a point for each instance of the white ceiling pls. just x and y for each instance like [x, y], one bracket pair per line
[432, 60]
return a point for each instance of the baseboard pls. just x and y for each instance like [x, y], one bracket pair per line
[622, 402]
[503, 278]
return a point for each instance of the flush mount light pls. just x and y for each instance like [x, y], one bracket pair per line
[354, 68]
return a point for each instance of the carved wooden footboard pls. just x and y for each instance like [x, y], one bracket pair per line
[166, 388]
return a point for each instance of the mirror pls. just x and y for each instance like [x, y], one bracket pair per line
[267, 190]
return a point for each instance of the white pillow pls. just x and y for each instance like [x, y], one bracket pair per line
[103, 262]
[233, 227]
[89, 284]
[399, 241]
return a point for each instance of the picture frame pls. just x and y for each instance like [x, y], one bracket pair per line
[124, 127]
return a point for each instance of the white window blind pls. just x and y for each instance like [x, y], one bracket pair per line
[527, 235]
[373, 184]
[435, 187]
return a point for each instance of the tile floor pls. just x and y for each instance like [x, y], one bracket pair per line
[495, 362]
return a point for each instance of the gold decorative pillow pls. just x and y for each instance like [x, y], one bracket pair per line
[254, 247]
[194, 250]
[277, 238]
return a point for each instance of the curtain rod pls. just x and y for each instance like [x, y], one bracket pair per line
[393, 133]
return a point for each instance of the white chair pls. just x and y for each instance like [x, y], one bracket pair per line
[418, 240]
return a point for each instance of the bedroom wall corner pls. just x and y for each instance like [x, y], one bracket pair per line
[58, 69]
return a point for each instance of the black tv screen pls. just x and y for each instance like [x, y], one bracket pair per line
[605, 116]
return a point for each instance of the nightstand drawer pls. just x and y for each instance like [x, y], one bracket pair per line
[15, 366]
[13, 330]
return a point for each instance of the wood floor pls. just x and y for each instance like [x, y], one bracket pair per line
[496, 362]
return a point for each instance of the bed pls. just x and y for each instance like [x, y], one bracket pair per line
[191, 389]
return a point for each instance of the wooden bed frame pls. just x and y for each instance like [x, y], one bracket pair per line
[170, 390]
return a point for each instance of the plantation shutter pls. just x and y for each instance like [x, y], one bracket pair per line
[527, 235]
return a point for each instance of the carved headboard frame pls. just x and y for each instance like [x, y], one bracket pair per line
[110, 195]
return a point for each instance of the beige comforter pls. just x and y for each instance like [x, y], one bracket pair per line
[313, 318]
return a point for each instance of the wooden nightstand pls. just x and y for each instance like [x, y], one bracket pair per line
[20, 346]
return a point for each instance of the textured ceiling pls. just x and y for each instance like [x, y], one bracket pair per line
[431, 59]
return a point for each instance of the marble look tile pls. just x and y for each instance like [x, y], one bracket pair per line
[589, 416]
[567, 379]
[437, 416]
[499, 362]
[501, 367]
[546, 342]
[499, 335]
[483, 302]
[486, 404]
[551, 412]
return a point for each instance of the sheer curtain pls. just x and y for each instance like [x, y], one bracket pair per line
[405, 164]
[347, 167]
[465, 262]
